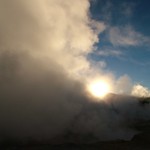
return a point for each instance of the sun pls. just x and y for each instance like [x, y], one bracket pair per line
[99, 88]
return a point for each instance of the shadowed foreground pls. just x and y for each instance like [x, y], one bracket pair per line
[141, 141]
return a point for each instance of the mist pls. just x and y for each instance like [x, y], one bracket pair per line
[44, 71]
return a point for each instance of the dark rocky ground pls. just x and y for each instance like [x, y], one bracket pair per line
[141, 141]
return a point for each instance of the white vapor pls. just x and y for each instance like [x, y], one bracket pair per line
[109, 52]
[44, 70]
[140, 91]
[127, 36]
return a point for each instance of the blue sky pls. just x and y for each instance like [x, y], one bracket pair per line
[125, 43]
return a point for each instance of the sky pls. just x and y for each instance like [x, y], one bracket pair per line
[125, 43]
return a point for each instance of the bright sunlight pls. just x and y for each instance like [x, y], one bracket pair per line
[99, 88]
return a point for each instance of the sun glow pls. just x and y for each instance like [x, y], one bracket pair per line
[99, 88]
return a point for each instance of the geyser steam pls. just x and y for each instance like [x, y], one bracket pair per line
[43, 67]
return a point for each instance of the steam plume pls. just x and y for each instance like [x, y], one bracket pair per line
[43, 69]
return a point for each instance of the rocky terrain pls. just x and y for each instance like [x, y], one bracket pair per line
[140, 141]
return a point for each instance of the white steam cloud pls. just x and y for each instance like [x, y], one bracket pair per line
[140, 91]
[43, 72]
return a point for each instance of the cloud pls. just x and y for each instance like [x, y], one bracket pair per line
[126, 36]
[124, 85]
[43, 74]
[127, 9]
[106, 11]
[42, 52]
[56, 28]
[109, 52]
[140, 91]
